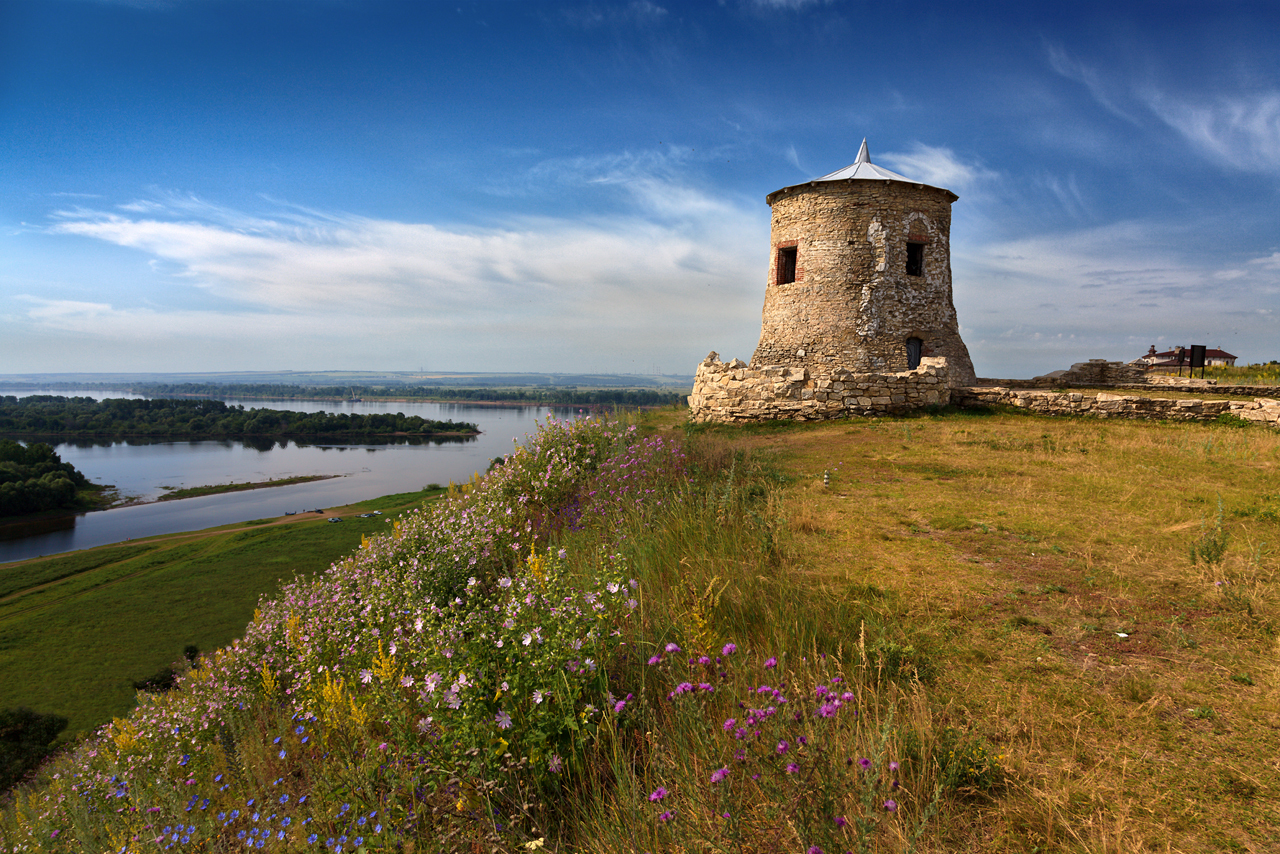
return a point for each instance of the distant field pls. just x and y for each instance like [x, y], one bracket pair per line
[1268, 374]
[75, 629]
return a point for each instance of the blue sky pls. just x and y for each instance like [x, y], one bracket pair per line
[197, 185]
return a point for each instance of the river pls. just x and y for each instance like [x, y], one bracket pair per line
[357, 472]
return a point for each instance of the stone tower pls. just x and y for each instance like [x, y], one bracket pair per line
[860, 276]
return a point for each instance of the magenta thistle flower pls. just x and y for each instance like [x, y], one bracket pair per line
[729, 649]
[840, 821]
[719, 774]
[792, 767]
[865, 763]
[666, 816]
[783, 747]
[813, 849]
[657, 659]
[658, 794]
[730, 724]
[891, 805]
[771, 663]
[672, 648]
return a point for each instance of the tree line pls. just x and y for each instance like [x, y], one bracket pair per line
[532, 396]
[34, 478]
[84, 417]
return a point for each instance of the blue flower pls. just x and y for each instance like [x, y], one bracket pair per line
[312, 839]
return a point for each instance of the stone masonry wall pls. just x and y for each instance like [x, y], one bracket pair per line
[1104, 405]
[732, 392]
[852, 306]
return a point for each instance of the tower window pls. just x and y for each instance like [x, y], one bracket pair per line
[915, 259]
[787, 265]
[915, 347]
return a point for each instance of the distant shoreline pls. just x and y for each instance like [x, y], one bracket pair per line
[177, 494]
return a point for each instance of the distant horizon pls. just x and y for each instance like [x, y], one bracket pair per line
[551, 184]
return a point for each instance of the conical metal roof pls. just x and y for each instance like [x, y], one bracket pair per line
[862, 169]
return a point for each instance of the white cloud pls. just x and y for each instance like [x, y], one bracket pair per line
[1242, 131]
[788, 5]
[1100, 85]
[938, 167]
[1107, 293]
[680, 275]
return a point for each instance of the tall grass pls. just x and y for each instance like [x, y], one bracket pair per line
[548, 658]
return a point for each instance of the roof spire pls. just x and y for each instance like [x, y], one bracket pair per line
[864, 156]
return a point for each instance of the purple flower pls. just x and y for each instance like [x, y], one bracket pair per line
[792, 767]
[503, 719]
[783, 747]
[891, 805]
[719, 774]
[840, 821]
[771, 663]
[729, 724]
[555, 764]
[893, 766]
[666, 816]
[813, 849]
[672, 648]
[729, 649]
[865, 763]
[657, 659]
[827, 710]
[658, 794]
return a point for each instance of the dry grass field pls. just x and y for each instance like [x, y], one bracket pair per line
[1097, 600]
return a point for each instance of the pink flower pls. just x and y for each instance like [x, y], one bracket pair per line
[719, 774]
[771, 663]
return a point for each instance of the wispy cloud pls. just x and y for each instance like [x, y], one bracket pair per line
[938, 166]
[1110, 289]
[679, 271]
[1242, 131]
[1101, 86]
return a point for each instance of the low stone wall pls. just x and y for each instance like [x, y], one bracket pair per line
[1104, 405]
[734, 392]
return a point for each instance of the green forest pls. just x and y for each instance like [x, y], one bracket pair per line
[34, 479]
[84, 417]
[539, 396]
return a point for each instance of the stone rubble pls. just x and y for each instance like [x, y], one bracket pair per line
[734, 392]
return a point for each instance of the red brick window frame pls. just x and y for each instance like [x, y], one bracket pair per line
[788, 265]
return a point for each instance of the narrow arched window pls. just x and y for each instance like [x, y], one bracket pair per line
[915, 347]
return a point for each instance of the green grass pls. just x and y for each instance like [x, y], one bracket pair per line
[175, 493]
[76, 629]
[1070, 626]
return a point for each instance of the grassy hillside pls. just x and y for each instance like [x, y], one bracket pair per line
[958, 632]
[77, 629]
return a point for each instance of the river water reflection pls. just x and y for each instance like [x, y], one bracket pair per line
[362, 471]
